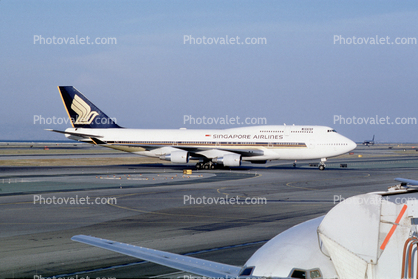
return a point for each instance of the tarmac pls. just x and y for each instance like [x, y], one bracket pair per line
[156, 206]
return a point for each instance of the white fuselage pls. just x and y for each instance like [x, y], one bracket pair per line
[265, 142]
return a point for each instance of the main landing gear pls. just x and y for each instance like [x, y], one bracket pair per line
[206, 165]
[321, 165]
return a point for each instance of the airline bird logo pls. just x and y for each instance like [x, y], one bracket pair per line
[85, 115]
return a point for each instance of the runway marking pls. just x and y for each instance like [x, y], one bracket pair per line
[257, 175]
[170, 214]
[310, 189]
[162, 213]
[129, 209]
[287, 184]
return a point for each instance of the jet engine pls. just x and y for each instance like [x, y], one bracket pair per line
[229, 160]
[177, 157]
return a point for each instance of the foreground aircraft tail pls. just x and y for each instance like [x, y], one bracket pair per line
[82, 112]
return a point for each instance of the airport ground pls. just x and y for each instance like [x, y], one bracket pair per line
[145, 202]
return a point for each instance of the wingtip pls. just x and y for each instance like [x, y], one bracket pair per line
[78, 237]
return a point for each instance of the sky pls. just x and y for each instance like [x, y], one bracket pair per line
[311, 63]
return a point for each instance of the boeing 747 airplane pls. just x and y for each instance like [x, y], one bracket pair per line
[227, 147]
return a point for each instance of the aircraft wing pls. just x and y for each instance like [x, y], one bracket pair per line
[185, 263]
[194, 151]
[411, 182]
[243, 152]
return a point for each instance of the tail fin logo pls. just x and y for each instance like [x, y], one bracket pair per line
[85, 115]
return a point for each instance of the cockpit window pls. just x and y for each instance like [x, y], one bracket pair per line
[247, 271]
[298, 274]
[331, 131]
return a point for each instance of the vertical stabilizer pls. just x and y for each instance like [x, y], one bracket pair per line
[82, 112]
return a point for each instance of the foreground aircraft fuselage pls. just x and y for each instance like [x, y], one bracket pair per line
[228, 147]
[371, 236]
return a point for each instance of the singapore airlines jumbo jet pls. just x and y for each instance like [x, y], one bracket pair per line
[227, 147]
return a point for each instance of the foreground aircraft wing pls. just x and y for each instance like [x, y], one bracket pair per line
[411, 182]
[185, 263]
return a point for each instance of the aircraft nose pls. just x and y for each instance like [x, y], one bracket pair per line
[351, 144]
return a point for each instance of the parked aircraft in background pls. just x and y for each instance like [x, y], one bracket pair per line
[367, 236]
[227, 147]
[369, 142]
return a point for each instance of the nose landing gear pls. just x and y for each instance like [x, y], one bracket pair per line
[322, 164]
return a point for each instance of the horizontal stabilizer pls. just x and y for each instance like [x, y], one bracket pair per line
[81, 135]
[180, 262]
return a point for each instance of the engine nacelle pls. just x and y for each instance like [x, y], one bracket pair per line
[230, 160]
[177, 157]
